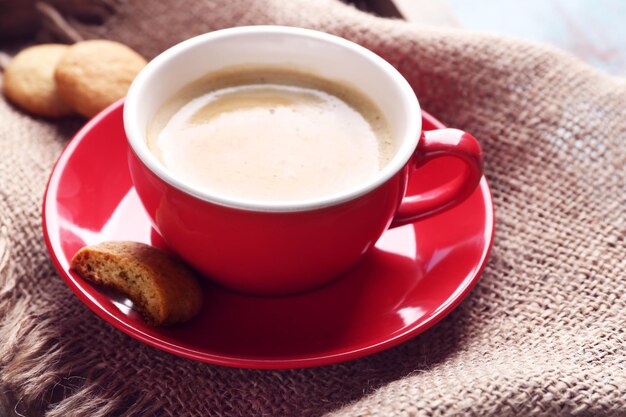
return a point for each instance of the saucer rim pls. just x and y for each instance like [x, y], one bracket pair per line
[250, 362]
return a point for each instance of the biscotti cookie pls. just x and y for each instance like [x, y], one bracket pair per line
[29, 81]
[91, 75]
[165, 290]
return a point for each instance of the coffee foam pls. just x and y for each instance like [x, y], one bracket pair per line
[270, 135]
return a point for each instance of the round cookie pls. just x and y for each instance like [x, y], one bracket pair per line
[29, 81]
[94, 74]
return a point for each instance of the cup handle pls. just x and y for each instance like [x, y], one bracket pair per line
[434, 144]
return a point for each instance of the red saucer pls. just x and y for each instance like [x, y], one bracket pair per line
[404, 286]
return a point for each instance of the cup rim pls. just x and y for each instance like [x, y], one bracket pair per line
[409, 138]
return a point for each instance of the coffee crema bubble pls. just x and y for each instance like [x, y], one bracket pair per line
[270, 134]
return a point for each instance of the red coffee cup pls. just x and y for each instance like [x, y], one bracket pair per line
[282, 247]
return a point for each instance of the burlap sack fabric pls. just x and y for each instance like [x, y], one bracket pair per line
[542, 333]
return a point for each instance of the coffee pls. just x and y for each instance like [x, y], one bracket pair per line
[270, 134]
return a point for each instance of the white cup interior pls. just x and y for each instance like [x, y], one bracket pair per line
[325, 55]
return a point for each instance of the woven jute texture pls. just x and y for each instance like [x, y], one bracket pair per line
[541, 334]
